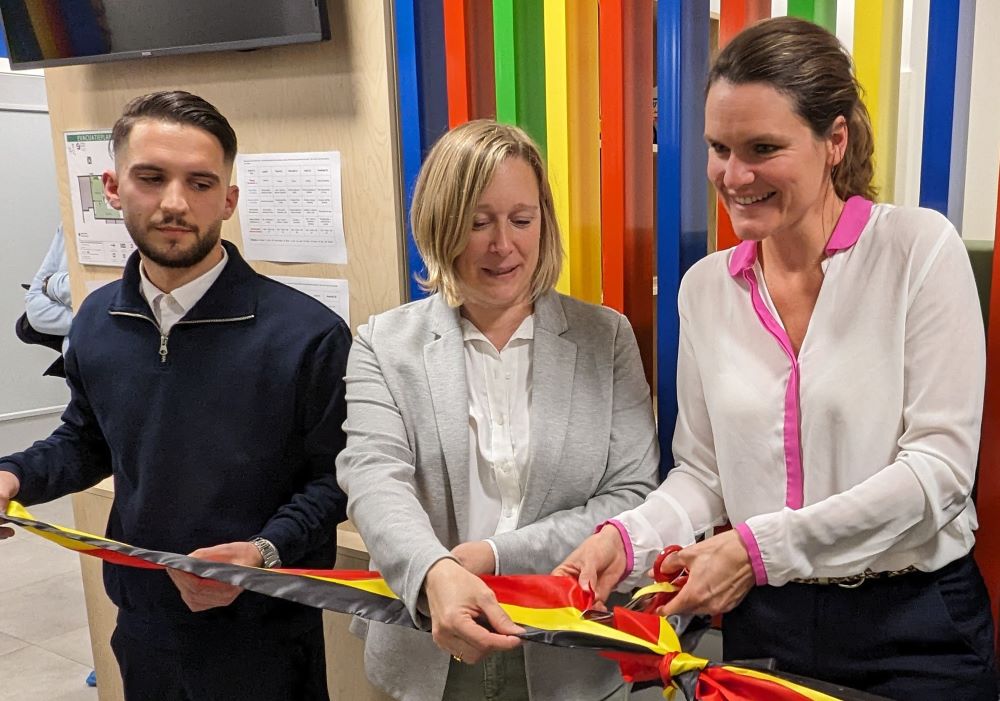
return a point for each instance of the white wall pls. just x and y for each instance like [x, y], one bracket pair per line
[29, 213]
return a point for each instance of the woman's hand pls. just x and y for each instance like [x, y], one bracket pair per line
[598, 564]
[719, 576]
[458, 599]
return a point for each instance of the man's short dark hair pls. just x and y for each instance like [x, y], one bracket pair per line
[178, 107]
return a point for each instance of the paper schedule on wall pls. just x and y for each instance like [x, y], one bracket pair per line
[101, 237]
[331, 292]
[290, 207]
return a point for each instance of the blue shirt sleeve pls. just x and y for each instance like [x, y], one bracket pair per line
[53, 312]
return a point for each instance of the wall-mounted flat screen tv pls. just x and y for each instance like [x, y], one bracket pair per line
[43, 33]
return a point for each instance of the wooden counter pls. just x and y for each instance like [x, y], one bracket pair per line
[344, 652]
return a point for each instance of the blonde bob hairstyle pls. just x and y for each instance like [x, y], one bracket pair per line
[451, 181]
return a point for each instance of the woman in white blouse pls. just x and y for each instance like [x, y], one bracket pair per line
[489, 427]
[830, 382]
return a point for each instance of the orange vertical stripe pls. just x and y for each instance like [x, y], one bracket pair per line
[456, 62]
[612, 78]
[988, 497]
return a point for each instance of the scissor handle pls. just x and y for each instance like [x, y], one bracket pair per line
[677, 577]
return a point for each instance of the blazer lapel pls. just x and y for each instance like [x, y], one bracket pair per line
[553, 370]
[444, 362]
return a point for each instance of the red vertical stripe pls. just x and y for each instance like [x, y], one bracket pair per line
[612, 78]
[456, 64]
[734, 15]
[479, 59]
[988, 497]
[640, 195]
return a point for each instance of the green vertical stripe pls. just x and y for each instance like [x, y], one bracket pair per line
[822, 12]
[529, 43]
[804, 9]
[503, 60]
[825, 14]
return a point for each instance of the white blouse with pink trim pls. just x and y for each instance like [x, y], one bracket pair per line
[860, 453]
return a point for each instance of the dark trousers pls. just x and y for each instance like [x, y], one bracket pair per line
[213, 663]
[912, 637]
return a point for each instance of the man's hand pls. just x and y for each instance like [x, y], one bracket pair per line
[719, 576]
[202, 594]
[457, 599]
[9, 487]
[598, 564]
[475, 556]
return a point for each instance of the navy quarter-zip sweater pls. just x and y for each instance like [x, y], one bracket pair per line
[224, 430]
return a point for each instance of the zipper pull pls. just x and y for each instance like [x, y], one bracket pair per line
[163, 348]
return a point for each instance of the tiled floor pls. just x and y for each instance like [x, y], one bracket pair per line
[44, 640]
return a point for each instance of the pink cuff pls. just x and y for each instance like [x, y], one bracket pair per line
[753, 550]
[626, 541]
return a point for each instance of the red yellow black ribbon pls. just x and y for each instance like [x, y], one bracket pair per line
[549, 608]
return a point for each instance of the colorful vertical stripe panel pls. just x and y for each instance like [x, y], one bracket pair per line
[557, 126]
[479, 60]
[584, 128]
[670, 26]
[529, 40]
[612, 77]
[573, 140]
[457, 69]
[505, 61]
[877, 45]
[640, 183]
[939, 104]
[821, 12]
[694, 153]
[408, 70]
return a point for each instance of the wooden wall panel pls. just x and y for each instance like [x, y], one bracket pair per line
[336, 95]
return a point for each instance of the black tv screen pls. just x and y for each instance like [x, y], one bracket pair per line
[63, 32]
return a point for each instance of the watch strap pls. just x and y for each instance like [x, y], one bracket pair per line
[268, 553]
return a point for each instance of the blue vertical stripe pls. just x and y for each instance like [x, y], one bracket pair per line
[670, 27]
[694, 154]
[408, 69]
[939, 104]
[433, 86]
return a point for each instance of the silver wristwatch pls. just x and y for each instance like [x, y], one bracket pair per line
[268, 552]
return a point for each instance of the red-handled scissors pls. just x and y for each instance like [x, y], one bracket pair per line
[678, 577]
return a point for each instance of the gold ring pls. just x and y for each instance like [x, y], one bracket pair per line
[457, 658]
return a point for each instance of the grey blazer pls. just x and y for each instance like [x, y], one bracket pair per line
[592, 454]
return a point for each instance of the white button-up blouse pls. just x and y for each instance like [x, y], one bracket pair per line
[860, 452]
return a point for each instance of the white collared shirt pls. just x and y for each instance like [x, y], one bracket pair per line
[499, 386]
[169, 308]
[858, 453]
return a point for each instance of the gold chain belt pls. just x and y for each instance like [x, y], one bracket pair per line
[855, 580]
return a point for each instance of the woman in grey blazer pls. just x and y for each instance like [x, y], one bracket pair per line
[490, 428]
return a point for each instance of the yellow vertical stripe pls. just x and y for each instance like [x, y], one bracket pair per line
[585, 150]
[557, 127]
[877, 46]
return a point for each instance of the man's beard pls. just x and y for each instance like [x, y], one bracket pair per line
[175, 255]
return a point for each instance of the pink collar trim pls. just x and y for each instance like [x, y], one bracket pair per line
[857, 211]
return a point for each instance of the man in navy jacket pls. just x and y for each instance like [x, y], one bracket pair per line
[215, 397]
